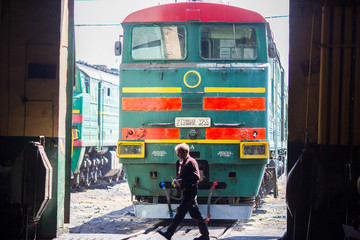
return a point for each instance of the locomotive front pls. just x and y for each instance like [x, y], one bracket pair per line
[197, 73]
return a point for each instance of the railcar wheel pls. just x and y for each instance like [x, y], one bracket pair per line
[123, 175]
[94, 179]
[75, 181]
[87, 180]
[87, 183]
[117, 177]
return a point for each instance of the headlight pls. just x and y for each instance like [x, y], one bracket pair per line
[254, 150]
[131, 149]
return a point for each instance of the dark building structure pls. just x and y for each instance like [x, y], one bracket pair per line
[324, 113]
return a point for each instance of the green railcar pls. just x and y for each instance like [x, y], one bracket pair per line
[208, 75]
[95, 125]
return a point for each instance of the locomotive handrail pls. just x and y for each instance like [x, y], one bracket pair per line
[229, 124]
[236, 69]
[149, 69]
[160, 124]
[193, 92]
[156, 192]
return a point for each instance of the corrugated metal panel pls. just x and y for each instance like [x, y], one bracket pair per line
[339, 77]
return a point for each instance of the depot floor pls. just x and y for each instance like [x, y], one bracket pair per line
[88, 214]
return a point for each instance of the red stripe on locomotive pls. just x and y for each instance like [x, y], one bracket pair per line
[150, 133]
[151, 104]
[236, 133]
[234, 103]
[78, 143]
[187, 11]
[77, 118]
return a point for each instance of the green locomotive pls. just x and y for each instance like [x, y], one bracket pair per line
[95, 125]
[209, 75]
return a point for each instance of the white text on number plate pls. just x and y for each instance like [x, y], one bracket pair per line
[192, 122]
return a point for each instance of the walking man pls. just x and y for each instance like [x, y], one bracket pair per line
[187, 179]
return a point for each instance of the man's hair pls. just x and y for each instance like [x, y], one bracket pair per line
[183, 147]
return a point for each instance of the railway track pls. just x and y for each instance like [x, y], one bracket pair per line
[187, 230]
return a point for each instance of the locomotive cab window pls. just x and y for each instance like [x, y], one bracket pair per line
[233, 42]
[158, 42]
[87, 84]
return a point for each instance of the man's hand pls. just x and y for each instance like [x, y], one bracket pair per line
[176, 182]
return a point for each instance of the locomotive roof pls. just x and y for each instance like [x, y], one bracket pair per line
[193, 11]
[98, 74]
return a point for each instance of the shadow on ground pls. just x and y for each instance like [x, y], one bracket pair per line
[117, 222]
[252, 238]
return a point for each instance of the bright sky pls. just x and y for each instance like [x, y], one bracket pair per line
[95, 44]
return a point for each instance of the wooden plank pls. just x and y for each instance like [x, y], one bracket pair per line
[356, 108]
[149, 236]
[216, 232]
[346, 78]
[324, 76]
[335, 77]
[193, 233]
[153, 235]
[180, 233]
[186, 232]
[228, 231]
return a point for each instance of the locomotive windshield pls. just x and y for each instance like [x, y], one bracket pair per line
[158, 42]
[228, 42]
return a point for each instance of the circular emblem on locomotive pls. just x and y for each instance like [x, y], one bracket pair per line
[192, 79]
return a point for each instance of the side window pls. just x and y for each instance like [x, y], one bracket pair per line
[108, 92]
[87, 84]
[158, 42]
[228, 42]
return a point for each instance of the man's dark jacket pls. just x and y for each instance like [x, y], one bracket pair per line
[188, 172]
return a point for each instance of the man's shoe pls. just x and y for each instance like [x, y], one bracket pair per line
[202, 237]
[164, 234]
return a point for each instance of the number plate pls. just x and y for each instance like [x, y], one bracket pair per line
[190, 122]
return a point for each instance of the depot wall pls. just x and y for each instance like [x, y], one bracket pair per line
[324, 126]
[34, 43]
